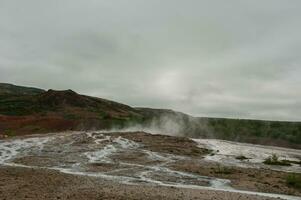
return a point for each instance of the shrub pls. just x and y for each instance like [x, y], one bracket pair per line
[241, 157]
[274, 160]
[223, 170]
[294, 180]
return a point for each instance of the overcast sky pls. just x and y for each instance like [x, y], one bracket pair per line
[216, 58]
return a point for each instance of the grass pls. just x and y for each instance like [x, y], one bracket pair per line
[10, 133]
[71, 116]
[274, 160]
[223, 170]
[294, 180]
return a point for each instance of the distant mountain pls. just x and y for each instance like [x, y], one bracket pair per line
[10, 89]
[26, 110]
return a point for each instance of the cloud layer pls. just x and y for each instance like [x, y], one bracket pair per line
[212, 58]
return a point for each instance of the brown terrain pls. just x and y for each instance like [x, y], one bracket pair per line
[20, 183]
[259, 180]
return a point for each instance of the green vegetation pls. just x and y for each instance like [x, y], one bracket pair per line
[71, 116]
[294, 162]
[10, 89]
[254, 130]
[9, 133]
[14, 106]
[294, 180]
[241, 157]
[223, 170]
[34, 128]
[274, 160]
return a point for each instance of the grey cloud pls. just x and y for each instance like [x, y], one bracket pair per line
[206, 57]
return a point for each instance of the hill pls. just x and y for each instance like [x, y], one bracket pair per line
[278, 133]
[10, 89]
[58, 111]
[26, 110]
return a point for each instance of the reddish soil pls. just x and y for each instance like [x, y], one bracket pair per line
[23, 125]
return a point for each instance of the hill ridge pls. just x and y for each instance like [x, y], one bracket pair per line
[41, 111]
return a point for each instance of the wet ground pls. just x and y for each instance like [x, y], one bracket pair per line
[227, 152]
[138, 159]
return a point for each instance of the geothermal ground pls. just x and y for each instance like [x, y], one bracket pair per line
[138, 165]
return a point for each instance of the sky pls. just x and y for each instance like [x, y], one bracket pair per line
[213, 58]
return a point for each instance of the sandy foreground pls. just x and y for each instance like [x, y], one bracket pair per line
[22, 183]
